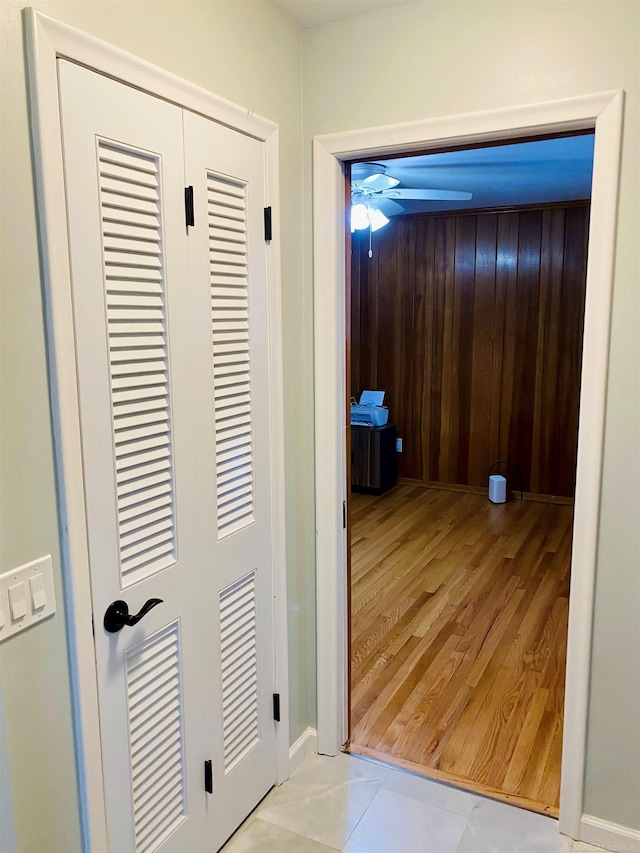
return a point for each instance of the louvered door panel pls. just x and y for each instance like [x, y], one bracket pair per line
[140, 386]
[230, 328]
[239, 662]
[230, 269]
[154, 692]
[134, 278]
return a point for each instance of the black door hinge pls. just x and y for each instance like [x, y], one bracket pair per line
[188, 206]
[276, 707]
[344, 515]
[268, 226]
[208, 777]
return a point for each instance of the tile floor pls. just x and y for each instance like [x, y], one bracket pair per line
[348, 803]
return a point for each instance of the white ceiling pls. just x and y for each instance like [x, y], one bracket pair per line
[549, 170]
[310, 13]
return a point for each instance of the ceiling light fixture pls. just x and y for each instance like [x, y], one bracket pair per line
[363, 216]
[359, 217]
[376, 218]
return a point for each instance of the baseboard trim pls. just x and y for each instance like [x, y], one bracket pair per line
[298, 751]
[610, 836]
[478, 490]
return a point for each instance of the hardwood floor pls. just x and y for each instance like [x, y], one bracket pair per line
[458, 638]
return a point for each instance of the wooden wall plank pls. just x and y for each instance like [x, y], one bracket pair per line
[482, 363]
[472, 323]
[464, 295]
[506, 356]
[355, 313]
[525, 330]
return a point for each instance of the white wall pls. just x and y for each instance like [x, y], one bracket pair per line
[248, 52]
[7, 828]
[434, 58]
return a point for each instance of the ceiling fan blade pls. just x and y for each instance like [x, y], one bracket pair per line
[388, 207]
[377, 183]
[427, 195]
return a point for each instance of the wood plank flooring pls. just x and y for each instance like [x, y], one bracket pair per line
[459, 613]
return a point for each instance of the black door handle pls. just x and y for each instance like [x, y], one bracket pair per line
[117, 614]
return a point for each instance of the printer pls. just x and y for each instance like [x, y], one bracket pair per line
[369, 411]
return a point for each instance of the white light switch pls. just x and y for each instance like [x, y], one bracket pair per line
[38, 594]
[27, 597]
[17, 601]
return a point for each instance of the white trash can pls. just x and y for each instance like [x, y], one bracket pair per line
[497, 488]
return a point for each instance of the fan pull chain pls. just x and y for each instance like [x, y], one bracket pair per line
[370, 249]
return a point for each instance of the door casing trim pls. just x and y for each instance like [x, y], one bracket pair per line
[602, 112]
[47, 41]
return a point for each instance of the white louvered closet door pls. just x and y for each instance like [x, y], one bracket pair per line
[124, 163]
[227, 268]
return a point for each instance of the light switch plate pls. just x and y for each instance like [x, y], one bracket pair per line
[34, 584]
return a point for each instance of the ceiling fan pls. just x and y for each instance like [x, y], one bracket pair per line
[372, 187]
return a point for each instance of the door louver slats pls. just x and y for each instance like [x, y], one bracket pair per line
[139, 359]
[240, 722]
[231, 352]
[154, 691]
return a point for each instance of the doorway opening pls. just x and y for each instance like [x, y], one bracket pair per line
[468, 313]
[603, 111]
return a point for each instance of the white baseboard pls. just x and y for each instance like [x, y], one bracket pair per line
[610, 836]
[306, 743]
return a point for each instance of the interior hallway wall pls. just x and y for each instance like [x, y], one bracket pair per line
[428, 59]
[7, 828]
[225, 47]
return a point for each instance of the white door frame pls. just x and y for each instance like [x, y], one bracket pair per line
[602, 112]
[48, 40]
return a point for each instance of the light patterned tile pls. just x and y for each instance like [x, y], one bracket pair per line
[437, 794]
[260, 836]
[397, 824]
[324, 799]
[499, 828]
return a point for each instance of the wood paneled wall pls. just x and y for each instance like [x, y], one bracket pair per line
[472, 323]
